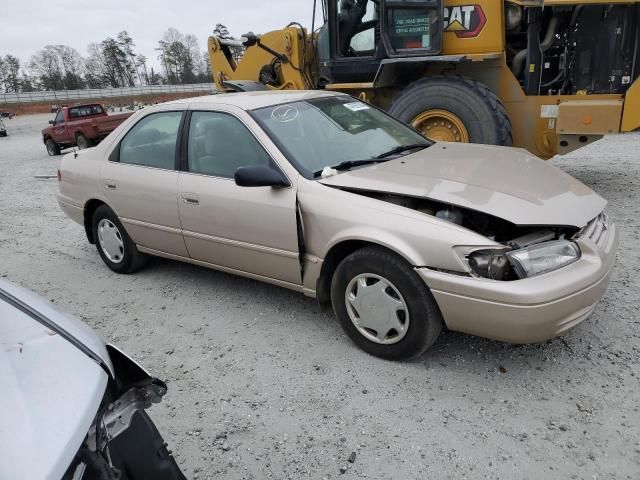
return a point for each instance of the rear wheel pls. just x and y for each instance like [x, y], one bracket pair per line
[114, 246]
[83, 142]
[454, 109]
[53, 148]
[383, 305]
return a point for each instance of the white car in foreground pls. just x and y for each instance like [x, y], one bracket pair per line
[72, 407]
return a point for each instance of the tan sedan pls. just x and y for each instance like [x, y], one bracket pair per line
[326, 195]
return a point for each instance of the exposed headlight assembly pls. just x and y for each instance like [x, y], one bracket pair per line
[492, 264]
[525, 262]
[543, 258]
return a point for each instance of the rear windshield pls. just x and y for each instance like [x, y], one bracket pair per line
[85, 111]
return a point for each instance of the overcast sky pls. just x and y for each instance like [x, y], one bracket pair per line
[28, 25]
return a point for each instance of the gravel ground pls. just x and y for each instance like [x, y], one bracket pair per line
[263, 384]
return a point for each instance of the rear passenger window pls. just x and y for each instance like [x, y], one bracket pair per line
[219, 144]
[152, 142]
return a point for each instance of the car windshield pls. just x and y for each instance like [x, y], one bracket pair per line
[335, 132]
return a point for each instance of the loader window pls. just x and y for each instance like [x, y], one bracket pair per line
[411, 28]
[357, 23]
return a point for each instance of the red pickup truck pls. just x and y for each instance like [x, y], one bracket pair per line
[81, 125]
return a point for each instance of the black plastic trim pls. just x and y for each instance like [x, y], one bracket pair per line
[183, 156]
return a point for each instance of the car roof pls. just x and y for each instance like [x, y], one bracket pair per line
[254, 100]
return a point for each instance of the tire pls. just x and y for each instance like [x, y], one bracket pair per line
[420, 313]
[53, 149]
[478, 108]
[83, 142]
[125, 259]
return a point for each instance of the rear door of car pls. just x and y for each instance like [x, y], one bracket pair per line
[140, 181]
[246, 229]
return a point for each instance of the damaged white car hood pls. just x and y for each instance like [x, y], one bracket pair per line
[504, 182]
[51, 390]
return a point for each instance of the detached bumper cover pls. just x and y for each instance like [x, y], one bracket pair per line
[530, 310]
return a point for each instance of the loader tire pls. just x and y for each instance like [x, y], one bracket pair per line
[455, 109]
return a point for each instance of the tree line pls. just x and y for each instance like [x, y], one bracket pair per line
[111, 63]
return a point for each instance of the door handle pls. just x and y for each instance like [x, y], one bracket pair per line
[190, 198]
[110, 185]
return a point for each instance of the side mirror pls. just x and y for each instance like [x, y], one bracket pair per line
[260, 176]
[51, 122]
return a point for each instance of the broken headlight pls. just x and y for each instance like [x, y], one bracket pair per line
[497, 264]
[543, 258]
[492, 264]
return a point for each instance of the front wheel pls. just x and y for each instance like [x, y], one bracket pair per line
[53, 149]
[384, 306]
[114, 245]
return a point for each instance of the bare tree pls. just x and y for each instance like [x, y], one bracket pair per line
[141, 65]
[95, 67]
[180, 57]
[126, 44]
[10, 76]
[58, 67]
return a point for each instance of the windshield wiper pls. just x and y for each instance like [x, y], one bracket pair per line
[379, 159]
[350, 164]
[404, 148]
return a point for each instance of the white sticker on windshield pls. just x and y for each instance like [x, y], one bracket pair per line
[285, 114]
[357, 106]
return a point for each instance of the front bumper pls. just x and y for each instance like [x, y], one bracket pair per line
[529, 310]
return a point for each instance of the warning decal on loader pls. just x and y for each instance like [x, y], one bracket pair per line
[466, 21]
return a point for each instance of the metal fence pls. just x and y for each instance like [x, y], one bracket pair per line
[98, 93]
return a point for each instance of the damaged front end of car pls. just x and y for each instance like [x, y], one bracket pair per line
[520, 251]
[123, 443]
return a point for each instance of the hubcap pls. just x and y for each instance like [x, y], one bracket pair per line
[377, 309]
[82, 143]
[441, 125]
[110, 241]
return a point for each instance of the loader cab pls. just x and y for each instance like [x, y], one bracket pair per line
[359, 34]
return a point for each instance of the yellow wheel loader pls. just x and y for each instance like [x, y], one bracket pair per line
[547, 76]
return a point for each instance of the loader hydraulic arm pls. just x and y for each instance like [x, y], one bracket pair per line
[250, 39]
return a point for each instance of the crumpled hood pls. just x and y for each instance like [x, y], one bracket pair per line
[51, 389]
[508, 183]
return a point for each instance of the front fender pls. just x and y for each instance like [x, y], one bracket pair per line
[331, 216]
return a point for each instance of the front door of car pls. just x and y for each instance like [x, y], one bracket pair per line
[58, 128]
[247, 229]
[140, 182]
